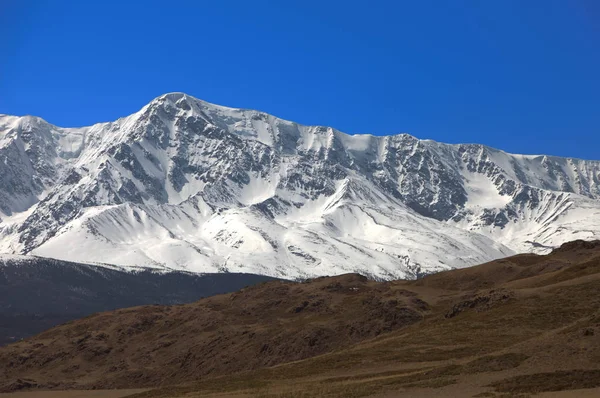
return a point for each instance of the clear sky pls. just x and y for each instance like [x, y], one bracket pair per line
[519, 75]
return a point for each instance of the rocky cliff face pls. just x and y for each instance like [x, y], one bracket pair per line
[184, 184]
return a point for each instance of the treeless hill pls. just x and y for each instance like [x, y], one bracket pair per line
[259, 326]
[38, 293]
[514, 326]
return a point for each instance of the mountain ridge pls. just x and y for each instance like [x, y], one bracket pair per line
[178, 95]
[190, 185]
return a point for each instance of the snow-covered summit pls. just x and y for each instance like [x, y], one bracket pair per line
[185, 184]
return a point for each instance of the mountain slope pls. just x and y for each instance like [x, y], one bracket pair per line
[38, 293]
[523, 324]
[187, 185]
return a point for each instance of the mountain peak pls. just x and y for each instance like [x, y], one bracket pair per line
[176, 97]
[171, 99]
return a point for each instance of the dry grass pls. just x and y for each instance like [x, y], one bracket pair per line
[551, 381]
[436, 353]
[518, 326]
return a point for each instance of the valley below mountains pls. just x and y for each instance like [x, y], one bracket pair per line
[38, 293]
[185, 185]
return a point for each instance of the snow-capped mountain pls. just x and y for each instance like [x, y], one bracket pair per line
[187, 185]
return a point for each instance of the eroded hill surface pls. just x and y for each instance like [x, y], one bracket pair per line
[520, 325]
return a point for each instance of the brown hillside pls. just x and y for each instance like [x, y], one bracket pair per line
[259, 326]
[514, 326]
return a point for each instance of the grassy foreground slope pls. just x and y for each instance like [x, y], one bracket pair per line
[513, 327]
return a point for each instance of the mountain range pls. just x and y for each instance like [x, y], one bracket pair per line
[190, 186]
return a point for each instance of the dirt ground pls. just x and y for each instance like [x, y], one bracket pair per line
[463, 390]
[448, 392]
[73, 394]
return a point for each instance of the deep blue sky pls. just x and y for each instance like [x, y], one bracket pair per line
[523, 76]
